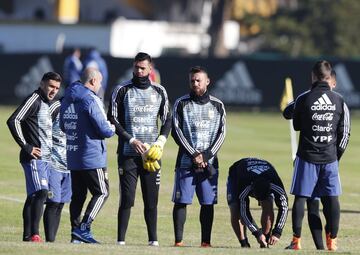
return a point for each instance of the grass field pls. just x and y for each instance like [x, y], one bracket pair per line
[264, 135]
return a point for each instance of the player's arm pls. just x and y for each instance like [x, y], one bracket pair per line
[281, 202]
[27, 108]
[54, 109]
[289, 111]
[219, 140]
[245, 213]
[177, 132]
[98, 118]
[116, 107]
[343, 131]
[165, 114]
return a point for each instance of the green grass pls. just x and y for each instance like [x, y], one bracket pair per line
[264, 135]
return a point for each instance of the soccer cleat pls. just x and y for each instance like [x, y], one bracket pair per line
[73, 240]
[331, 243]
[84, 235]
[36, 239]
[154, 243]
[205, 245]
[295, 244]
[121, 243]
[179, 244]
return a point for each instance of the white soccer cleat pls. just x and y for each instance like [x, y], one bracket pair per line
[122, 243]
[154, 243]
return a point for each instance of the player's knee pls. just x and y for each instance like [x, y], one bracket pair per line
[41, 194]
[127, 202]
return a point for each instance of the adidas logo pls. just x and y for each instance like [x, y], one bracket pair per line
[70, 113]
[237, 87]
[323, 103]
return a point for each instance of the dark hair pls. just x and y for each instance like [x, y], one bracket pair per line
[197, 69]
[322, 70]
[141, 56]
[51, 76]
[261, 188]
[333, 73]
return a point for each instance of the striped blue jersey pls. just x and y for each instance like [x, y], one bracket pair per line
[198, 127]
[31, 126]
[58, 155]
[135, 111]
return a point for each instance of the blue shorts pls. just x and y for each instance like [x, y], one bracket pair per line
[232, 192]
[36, 175]
[59, 187]
[187, 182]
[315, 180]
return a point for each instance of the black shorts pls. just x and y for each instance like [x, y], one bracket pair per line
[130, 169]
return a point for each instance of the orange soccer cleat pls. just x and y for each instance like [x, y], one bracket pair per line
[295, 244]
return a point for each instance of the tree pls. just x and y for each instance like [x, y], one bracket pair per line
[322, 27]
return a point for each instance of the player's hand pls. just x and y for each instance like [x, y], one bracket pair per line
[151, 166]
[156, 149]
[138, 146]
[36, 152]
[273, 240]
[262, 241]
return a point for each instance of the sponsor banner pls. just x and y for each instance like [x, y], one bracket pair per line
[245, 82]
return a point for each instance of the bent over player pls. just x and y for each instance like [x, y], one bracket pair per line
[199, 130]
[257, 178]
[135, 108]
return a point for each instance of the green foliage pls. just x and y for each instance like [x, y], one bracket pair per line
[264, 135]
[316, 28]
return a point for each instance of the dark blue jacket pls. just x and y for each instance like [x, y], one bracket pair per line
[84, 121]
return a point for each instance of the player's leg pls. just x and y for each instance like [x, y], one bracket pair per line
[52, 203]
[128, 176]
[329, 191]
[27, 219]
[150, 183]
[36, 174]
[267, 216]
[314, 221]
[51, 220]
[98, 185]
[206, 191]
[238, 227]
[78, 197]
[331, 206]
[183, 194]
[303, 184]
[297, 216]
[179, 218]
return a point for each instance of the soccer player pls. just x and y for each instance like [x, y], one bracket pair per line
[83, 119]
[323, 120]
[199, 130]
[257, 178]
[31, 125]
[135, 108]
[312, 203]
[59, 178]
